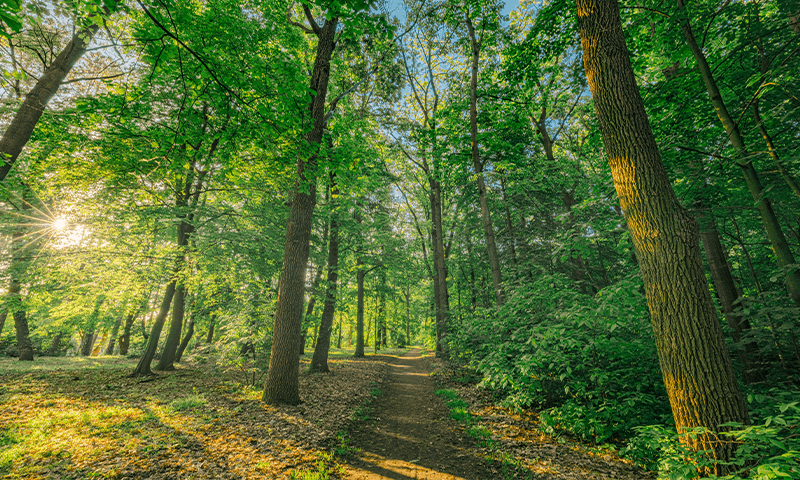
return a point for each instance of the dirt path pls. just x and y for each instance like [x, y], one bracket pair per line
[411, 436]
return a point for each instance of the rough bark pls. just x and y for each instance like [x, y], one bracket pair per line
[319, 362]
[694, 361]
[22, 125]
[282, 386]
[774, 232]
[486, 219]
[143, 367]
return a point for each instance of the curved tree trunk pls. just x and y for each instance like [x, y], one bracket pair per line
[186, 339]
[697, 371]
[143, 367]
[55, 345]
[282, 385]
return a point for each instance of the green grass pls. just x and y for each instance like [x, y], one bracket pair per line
[10, 365]
[459, 409]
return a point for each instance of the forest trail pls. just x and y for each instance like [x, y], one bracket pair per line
[411, 436]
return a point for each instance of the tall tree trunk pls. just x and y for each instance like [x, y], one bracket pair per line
[21, 127]
[774, 232]
[3, 316]
[440, 294]
[312, 300]
[486, 219]
[697, 371]
[407, 294]
[113, 338]
[282, 386]
[726, 290]
[143, 367]
[186, 339]
[319, 362]
[360, 308]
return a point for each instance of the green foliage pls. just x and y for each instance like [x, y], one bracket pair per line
[459, 409]
[187, 403]
[767, 449]
[590, 362]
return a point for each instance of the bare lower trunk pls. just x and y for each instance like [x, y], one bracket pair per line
[282, 385]
[143, 367]
[125, 338]
[55, 346]
[186, 339]
[87, 343]
[360, 310]
[697, 371]
[319, 362]
[112, 340]
[167, 360]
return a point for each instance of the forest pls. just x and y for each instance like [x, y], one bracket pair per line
[584, 207]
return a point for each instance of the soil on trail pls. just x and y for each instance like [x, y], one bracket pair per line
[411, 435]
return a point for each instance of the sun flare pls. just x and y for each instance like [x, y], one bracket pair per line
[60, 224]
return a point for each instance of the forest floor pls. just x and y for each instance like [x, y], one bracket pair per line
[372, 418]
[414, 435]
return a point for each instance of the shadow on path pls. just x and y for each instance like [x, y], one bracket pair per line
[411, 436]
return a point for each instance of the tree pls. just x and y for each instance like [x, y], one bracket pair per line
[694, 361]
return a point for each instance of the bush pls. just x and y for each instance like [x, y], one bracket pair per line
[589, 362]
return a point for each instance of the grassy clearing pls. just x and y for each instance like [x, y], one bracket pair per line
[78, 418]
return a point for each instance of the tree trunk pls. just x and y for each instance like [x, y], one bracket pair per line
[726, 290]
[143, 367]
[774, 232]
[486, 219]
[282, 386]
[17, 270]
[407, 294]
[22, 125]
[55, 345]
[112, 340]
[319, 362]
[210, 335]
[694, 361]
[3, 316]
[125, 338]
[440, 294]
[360, 309]
[167, 360]
[186, 339]
[86, 343]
